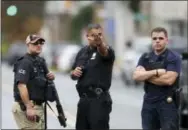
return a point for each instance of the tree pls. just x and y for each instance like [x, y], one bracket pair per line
[29, 13]
[82, 19]
[135, 5]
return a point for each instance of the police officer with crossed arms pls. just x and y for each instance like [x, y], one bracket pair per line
[30, 73]
[160, 72]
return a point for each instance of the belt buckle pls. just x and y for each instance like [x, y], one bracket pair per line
[98, 91]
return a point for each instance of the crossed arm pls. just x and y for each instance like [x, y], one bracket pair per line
[167, 78]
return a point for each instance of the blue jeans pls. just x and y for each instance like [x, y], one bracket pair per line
[160, 114]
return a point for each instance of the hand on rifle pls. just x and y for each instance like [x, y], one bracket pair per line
[50, 76]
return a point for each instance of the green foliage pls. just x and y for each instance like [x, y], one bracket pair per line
[82, 19]
[4, 48]
[135, 6]
[28, 19]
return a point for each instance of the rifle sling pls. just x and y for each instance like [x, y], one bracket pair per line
[51, 109]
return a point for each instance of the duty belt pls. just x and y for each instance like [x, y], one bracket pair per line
[92, 92]
[22, 106]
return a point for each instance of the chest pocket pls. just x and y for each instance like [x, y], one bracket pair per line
[160, 63]
[38, 71]
[156, 65]
[85, 59]
[93, 60]
[82, 60]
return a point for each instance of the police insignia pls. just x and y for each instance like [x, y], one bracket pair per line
[35, 69]
[21, 71]
[93, 56]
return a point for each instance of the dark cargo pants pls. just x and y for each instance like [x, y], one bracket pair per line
[160, 114]
[93, 113]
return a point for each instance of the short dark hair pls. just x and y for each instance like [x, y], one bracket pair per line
[160, 29]
[93, 26]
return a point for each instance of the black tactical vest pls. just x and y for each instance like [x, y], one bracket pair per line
[162, 63]
[38, 87]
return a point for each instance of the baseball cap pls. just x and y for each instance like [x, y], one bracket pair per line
[33, 38]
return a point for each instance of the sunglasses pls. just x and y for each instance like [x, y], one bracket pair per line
[160, 38]
[38, 42]
[94, 35]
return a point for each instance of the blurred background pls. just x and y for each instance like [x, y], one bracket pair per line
[127, 26]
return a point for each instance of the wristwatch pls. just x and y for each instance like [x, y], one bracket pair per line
[157, 73]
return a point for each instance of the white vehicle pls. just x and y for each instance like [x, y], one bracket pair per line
[131, 57]
[66, 58]
[46, 54]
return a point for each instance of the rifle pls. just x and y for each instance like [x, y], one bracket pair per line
[52, 95]
[61, 116]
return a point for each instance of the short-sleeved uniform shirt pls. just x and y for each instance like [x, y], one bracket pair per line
[97, 68]
[24, 72]
[174, 64]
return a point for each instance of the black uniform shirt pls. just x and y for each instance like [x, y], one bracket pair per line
[24, 71]
[97, 68]
[173, 64]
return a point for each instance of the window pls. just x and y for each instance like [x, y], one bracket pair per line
[178, 28]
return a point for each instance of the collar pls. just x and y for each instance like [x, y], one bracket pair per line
[33, 56]
[162, 54]
[91, 49]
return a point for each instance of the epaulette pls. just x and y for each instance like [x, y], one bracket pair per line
[20, 58]
[16, 63]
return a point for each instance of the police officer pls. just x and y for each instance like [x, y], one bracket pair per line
[29, 86]
[160, 71]
[93, 70]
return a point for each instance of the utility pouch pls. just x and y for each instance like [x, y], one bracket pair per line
[50, 92]
[37, 89]
[176, 96]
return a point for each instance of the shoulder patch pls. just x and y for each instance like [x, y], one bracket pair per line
[20, 58]
[21, 71]
[17, 62]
